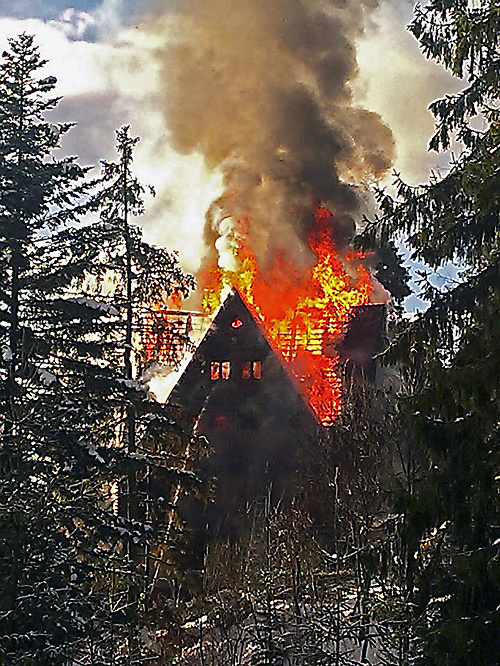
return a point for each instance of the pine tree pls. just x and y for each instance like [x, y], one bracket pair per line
[451, 507]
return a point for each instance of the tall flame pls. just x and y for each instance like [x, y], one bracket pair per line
[303, 313]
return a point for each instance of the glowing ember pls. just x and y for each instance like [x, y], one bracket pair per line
[304, 314]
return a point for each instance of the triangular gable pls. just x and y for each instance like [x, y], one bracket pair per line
[235, 355]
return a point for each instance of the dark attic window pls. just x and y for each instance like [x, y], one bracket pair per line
[220, 370]
[251, 370]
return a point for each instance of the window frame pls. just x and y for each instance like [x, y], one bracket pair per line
[220, 370]
[251, 370]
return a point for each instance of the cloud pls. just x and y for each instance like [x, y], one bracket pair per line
[72, 62]
[114, 15]
[45, 9]
[396, 81]
[75, 24]
[110, 83]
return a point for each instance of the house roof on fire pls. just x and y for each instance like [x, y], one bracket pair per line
[236, 365]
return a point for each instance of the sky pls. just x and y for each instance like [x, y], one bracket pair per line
[104, 54]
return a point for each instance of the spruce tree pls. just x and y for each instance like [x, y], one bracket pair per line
[142, 279]
[45, 610]
[451, 508]
[64, 390]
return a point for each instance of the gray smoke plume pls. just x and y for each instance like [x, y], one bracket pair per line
[262, 89]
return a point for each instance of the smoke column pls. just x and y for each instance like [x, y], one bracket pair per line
[262, 88]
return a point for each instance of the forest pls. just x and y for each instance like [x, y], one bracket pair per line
[97, 565]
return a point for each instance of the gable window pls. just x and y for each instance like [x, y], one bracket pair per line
[220, 370]
[251, 370]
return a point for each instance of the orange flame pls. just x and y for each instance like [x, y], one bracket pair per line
[304, 314]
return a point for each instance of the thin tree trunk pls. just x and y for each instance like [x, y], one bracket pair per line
[14, 340]
[130, 430]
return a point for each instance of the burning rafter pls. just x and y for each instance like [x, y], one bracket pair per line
[166, 336]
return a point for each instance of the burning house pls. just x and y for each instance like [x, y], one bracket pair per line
[264, 91]
[262, 391]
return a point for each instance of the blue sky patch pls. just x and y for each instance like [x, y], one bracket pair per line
[44, 9]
